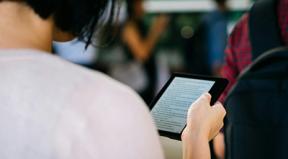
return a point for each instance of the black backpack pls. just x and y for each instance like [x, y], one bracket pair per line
[257, 106]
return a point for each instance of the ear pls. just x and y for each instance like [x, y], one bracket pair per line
[61, 36]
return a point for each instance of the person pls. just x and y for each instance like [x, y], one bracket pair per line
[51, 108]
[204, 51]
[238, 54]
[139, 43]
[215, 24]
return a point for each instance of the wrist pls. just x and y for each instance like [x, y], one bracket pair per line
[194, 145]
[194, 135]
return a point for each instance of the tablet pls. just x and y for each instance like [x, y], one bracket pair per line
[169, 108]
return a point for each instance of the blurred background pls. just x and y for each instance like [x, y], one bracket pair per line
[158, 37]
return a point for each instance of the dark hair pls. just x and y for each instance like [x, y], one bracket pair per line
[221, 2]
[130, 7]
[79, 17]
[130, 4]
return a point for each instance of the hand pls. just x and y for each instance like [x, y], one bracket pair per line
[203, 123]
[160, 24]
[203, 120]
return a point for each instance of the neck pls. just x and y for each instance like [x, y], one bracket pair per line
[20, 27]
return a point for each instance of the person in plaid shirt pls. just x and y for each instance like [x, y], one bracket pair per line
[238, 55]
[238, 52]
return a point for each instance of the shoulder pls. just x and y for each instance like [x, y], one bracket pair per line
[239, 45]
[93, 115]
[241, 30]
[115, 119]
[74, 79]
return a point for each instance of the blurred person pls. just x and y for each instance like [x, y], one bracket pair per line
[139, 43]
[215, 24]
[76, 52]
[51, 108]
[204, 51]
[238, 53]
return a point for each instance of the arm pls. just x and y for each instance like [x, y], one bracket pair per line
[203, 123]
[237, 54]
[141, 47]
[229, 70]
[195, 146]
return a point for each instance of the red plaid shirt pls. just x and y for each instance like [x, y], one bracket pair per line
[238, 52]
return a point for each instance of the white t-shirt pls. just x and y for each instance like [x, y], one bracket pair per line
[53, 109]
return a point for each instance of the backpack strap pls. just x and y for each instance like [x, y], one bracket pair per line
[264, 28]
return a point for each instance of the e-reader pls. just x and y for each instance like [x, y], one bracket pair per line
[170, 106]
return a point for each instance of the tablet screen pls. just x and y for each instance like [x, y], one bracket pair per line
[170, 111]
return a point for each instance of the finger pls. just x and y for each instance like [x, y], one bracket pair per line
[205, 99]
[222, 125]
[219, 109]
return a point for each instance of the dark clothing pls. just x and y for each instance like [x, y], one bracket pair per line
[238, 51]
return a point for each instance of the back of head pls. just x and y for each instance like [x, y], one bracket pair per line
[77, 17]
